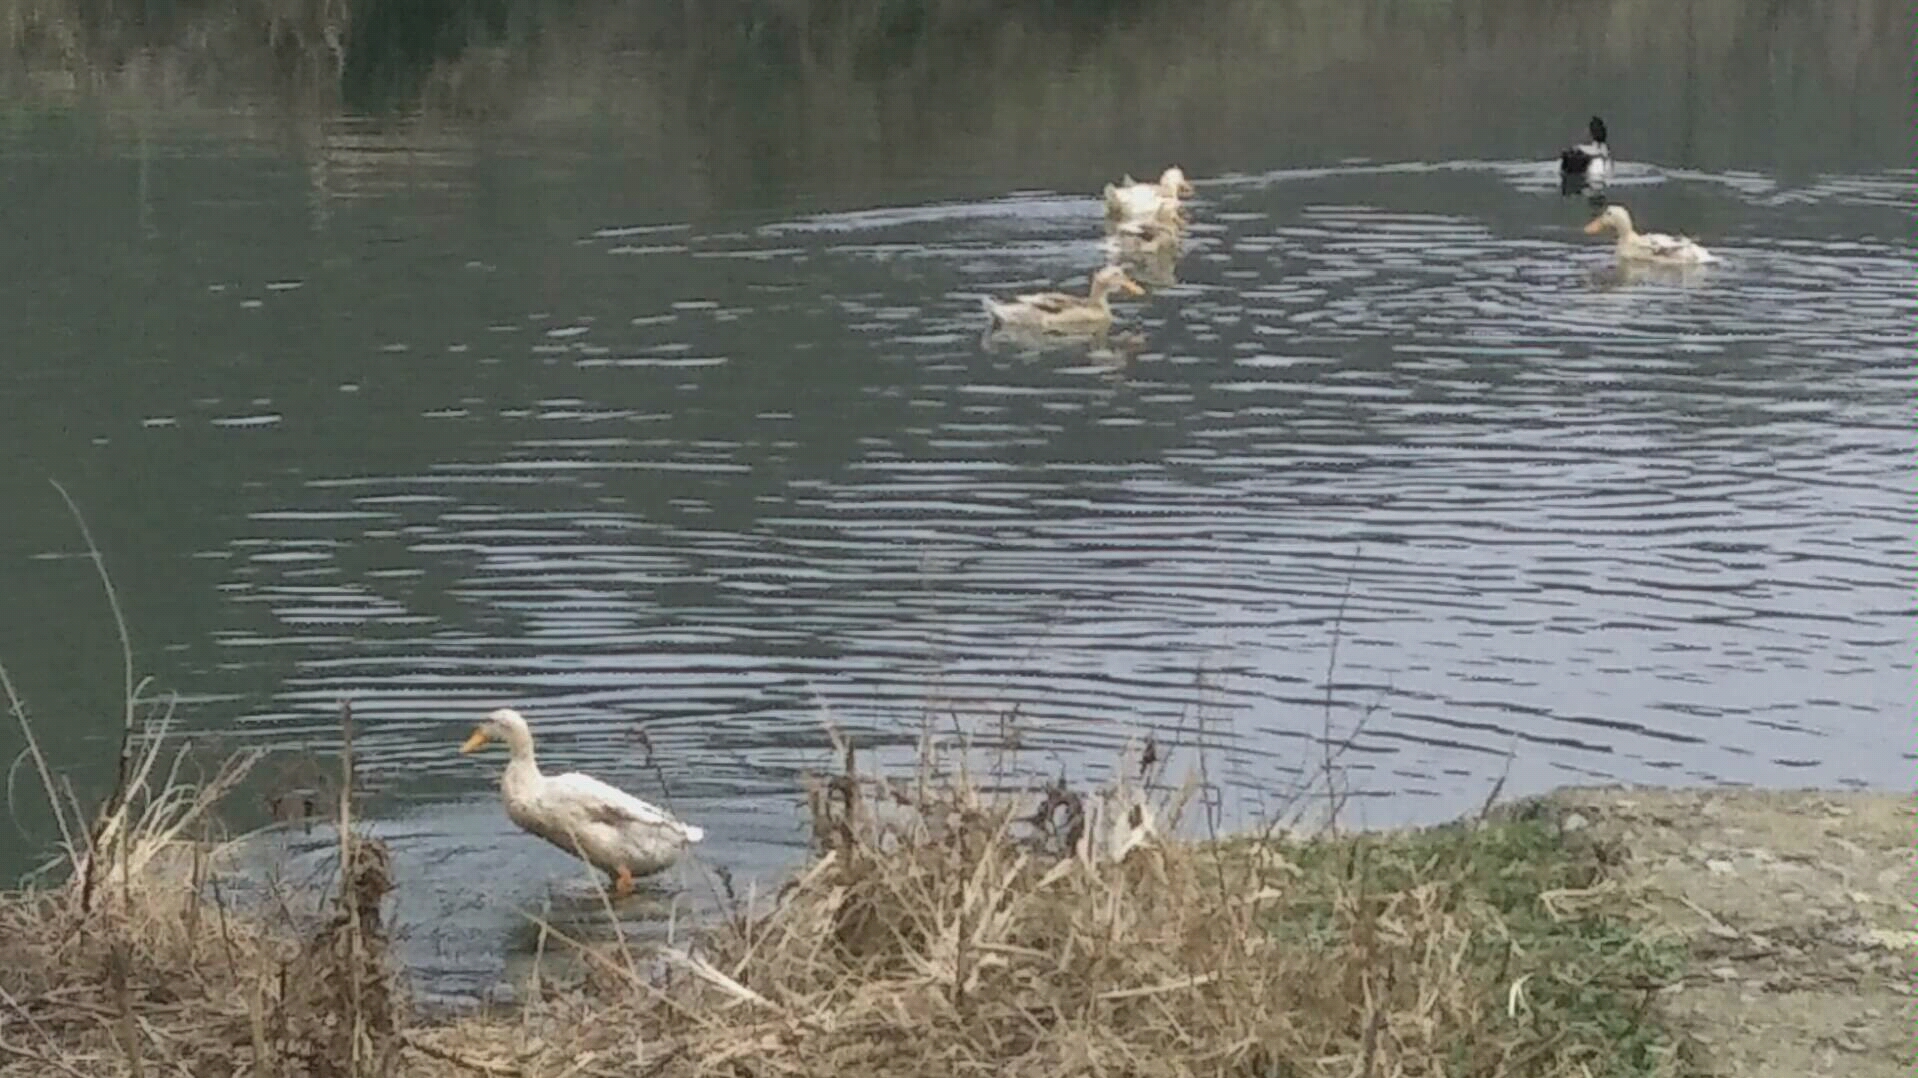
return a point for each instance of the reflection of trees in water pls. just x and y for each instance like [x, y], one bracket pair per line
[384, 54]
[747, 96]
[395, 45]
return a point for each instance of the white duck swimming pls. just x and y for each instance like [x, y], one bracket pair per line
[1063, 312]
[610, 829]
[1129, 200]
[1588, 161]
[1648, 246]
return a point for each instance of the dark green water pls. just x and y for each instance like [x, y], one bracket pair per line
[624, 365]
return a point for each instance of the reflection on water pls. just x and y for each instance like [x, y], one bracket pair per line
[1106, 351]
[1151, 257]
[1625, 273]
[473, 361]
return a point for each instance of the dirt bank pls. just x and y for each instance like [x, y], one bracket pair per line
[1796, 911]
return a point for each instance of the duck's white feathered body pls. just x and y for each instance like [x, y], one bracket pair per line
[1129, 200]
[609, 828]
[1658, 247]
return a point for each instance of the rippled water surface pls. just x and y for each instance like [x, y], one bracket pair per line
[671, 421]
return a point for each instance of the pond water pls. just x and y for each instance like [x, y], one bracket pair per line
[626, 366]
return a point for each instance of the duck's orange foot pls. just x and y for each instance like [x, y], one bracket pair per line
[623, 882]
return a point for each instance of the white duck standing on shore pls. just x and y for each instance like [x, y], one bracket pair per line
[610, 829]
[1129, 200]
[1637, 246]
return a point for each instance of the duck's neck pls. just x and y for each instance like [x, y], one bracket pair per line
[1101, 295]
[522, 771]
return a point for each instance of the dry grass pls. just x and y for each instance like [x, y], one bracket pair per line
[938, 929]
[131, 961]
[135, 962]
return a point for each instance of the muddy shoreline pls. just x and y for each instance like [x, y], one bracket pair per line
[1796, 910]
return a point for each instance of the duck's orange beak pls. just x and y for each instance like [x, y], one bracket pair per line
[1131, 286]
[475, 743]
[1597, 226]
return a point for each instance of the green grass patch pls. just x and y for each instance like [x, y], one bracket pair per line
[1552, 976]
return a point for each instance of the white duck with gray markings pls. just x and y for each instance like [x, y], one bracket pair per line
[608, 828]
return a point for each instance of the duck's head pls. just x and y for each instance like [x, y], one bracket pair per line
[1110, 278]
[505, 725]
[1597, 129]
[1173, 181]
[1614, 218]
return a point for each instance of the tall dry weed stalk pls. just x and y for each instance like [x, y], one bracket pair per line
[124, 956]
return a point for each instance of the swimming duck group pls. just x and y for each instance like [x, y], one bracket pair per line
[1147, 221]
[1144, 221]
[625, 837]
[1586, 167]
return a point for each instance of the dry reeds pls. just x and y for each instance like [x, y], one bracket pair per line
[941, 931]
[126, 957]
[937, 930]
[159, 973]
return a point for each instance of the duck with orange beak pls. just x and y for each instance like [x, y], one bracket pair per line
[1063, 312]
[607, 828]
[1636, 246]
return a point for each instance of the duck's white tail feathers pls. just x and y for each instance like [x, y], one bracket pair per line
[694, 834]
[1699, 254]
[994, 310]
